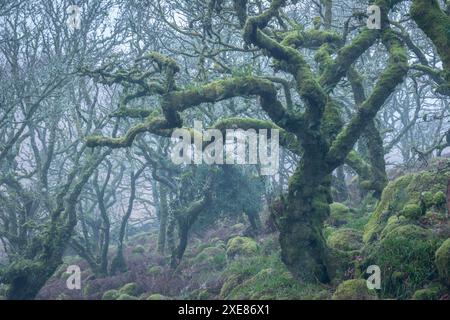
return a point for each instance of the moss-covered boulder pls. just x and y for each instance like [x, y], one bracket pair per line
[241, 247]
[392, 223]
[345, 240]
[111, 295]
[211, 258]
[405, 256]
[440, 199]
[410, 189]
[442, 258]
[131, 289]
[139, 249]
[157, 296]
[340, 214]
[155, 271]
[125, 296]
[355, 289]
[411, 211]
[433, 292]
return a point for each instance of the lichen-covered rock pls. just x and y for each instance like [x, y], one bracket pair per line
[355, 289]
[131, 289]
[411, 211]
[405, 256]
[241, 247]
[408, 189]
[442, 258]
[340, 214]
[110, 295]
[345, 240]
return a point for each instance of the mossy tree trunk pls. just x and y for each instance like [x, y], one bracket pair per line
[324, 142]
[163, 218]
[27, 275]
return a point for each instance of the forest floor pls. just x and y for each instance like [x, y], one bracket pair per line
[407, 234]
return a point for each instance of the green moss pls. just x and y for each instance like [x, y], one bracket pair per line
[427, 199]
[129, 289]
[157, 296]
[211, 257]
[345, 240]
[355, 289]
[439, 199]
[405, 256]
[265, 277]
[155, 271]
[125, 296]
[111, 295]
[436, 25]
[393, 222]
[442, 259]
[241, 247]
[411, 211]
[408, 189]
[430, 293]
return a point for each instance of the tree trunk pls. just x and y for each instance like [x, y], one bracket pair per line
[300, 219]
[163, 217]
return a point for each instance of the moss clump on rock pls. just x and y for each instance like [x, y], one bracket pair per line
[241, 247]
[439, 199]
[442, 258]
[411, 211]
[405, 255]
[110, 295]
[266, 277]
[345, 240]
[125, 296]
[427, 199]
[355, 289]
[394, 222]
[431, 293]
[408, 189]
[157, 296]
[339, 214]
[155, 270]
[212, 257]
[129, 289]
